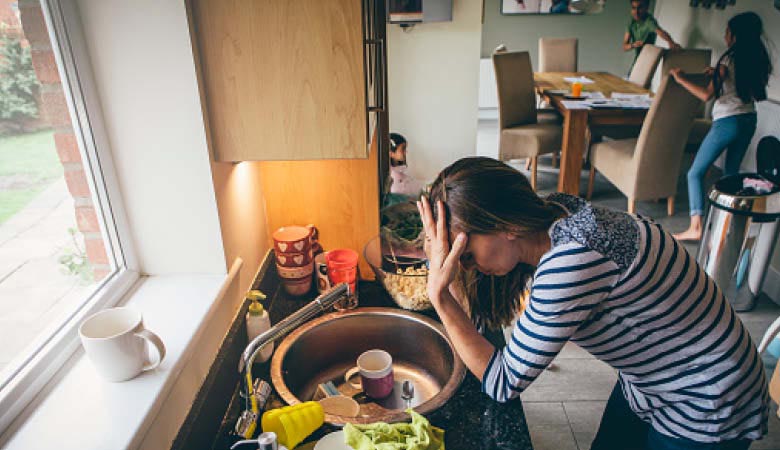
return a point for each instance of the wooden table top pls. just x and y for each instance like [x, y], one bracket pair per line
[605, 82]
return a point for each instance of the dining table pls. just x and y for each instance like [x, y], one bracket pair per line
[578, 119]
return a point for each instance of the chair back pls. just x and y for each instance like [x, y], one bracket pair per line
[645, 65]
[558, 54]
[515, 86]
[661, 143]
[690, 60]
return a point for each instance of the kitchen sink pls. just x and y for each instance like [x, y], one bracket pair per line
[324, 349]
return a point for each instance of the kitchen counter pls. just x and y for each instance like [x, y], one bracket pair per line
[471, 420]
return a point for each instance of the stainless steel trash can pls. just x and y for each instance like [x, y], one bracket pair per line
[738, 239]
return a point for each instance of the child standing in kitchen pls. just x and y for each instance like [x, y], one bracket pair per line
[739, 79]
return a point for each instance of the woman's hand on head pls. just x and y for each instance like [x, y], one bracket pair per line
[442, 260]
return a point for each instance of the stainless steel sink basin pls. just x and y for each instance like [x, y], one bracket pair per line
[325, 348]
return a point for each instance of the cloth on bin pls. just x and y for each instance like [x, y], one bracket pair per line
[418, 435]
[758, 185]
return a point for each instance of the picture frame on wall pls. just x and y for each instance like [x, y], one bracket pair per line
[522, 7]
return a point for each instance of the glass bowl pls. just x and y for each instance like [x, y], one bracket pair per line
[404, 276]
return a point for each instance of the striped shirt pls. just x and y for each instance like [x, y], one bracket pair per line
[624, 290]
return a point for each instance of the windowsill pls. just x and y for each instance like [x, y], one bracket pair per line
[79, 410]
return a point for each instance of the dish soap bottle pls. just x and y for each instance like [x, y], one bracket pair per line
[257, 322]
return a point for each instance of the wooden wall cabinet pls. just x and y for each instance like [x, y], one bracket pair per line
[289, 80]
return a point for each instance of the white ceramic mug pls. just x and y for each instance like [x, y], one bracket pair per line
[115, 341]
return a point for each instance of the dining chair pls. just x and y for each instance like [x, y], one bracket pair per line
[648, 167]
[691, 60]
[645, 65]
[523, 133]
[558, 54]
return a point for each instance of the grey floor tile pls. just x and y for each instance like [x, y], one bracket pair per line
[759, 319]
[772, 440]
[574, 379]
[552, 437]
[545, 413]
[584, 418]
[573, 351]
[584, 439]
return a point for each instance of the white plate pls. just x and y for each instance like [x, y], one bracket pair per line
[332, 441]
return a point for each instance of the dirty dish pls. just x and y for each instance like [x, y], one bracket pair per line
[340, 405]
[332, 441]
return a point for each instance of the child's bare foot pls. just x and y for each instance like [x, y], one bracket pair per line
[691, 234]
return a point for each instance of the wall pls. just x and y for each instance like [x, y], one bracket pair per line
[149, 96]
[242, 217]
[433, 77]
[698, 27]
[340, 197]
[600, 35]
[188, 214]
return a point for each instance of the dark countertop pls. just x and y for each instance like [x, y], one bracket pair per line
[471, 420]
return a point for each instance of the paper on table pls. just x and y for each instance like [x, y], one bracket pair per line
[595, 94]
[633, 101]
[574, 104]
[583, 80]
[624, 96]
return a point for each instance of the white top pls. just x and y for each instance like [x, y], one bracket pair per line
[729, 103]
[404, 183]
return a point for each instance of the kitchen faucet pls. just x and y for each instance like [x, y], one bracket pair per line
[320, 304]
[316, 306]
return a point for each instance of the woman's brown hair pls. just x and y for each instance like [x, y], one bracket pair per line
[485, 196]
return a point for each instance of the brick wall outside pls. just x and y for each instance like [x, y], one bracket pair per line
[8, 16]
[54, 111]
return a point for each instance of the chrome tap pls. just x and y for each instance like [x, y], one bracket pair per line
[247, 423]
[281, 329]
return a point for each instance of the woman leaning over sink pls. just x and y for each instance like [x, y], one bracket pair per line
[689, 376]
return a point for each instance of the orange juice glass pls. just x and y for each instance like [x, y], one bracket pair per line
[576, 89]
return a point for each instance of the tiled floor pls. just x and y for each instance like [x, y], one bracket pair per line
[564, 407]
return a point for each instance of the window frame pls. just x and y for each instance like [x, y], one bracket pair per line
[54, 349]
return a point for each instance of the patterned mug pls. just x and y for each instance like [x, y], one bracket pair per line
[294, 239]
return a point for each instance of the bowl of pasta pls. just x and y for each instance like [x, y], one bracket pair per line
[403, 274]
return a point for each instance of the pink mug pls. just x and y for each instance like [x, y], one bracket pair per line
[376, 374]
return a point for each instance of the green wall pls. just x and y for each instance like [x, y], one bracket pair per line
[600, 36]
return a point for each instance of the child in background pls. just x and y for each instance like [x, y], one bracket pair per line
[643, 29]
[739, 79]
[402, 182]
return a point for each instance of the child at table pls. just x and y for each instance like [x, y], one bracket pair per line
[739, 79]
[643, 29]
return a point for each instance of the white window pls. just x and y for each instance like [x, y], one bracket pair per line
[63, 246]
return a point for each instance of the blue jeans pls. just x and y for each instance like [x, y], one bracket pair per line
[622, 429]
[732, 133]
